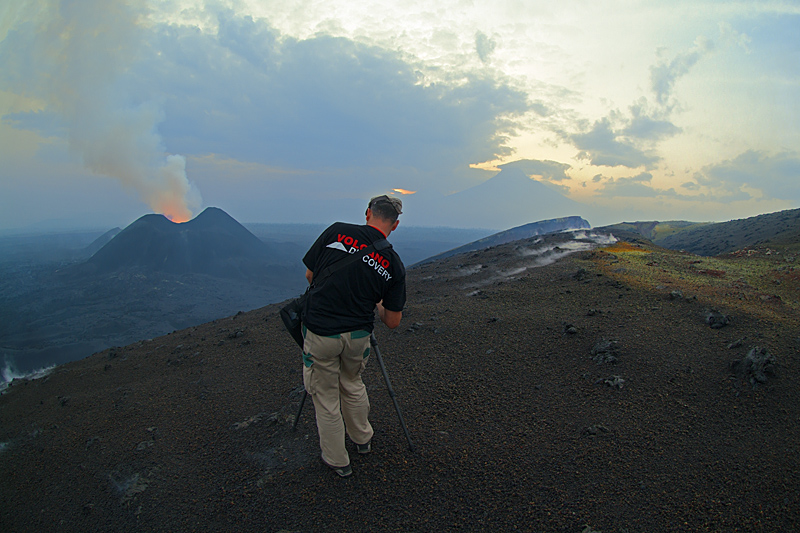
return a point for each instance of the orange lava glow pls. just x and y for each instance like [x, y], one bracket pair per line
[175, 211]
[178, 219]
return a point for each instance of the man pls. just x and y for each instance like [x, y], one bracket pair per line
[338, 323]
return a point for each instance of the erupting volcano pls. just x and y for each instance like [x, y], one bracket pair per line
[213, 243]
[170, 193]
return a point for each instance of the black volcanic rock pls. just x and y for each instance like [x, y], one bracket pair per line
[212, 243]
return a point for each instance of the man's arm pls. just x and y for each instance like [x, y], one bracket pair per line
[390, 318]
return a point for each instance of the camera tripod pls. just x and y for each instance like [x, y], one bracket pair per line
[374, 342]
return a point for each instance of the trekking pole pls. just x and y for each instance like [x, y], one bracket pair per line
[374, 342]
[300, 409]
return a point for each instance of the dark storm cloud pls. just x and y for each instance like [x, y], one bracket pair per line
[251, 94]
[664, 74]
[635, 187]
[319, 103]
[646, 125]
[775, 175]
[629, 139]
[603, 146]
[640, 186]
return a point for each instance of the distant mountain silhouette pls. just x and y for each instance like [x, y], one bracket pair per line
[101, 241]
[212, 243]
[508, 199]
[526, 231]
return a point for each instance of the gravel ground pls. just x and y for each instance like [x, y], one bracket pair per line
[522, 418]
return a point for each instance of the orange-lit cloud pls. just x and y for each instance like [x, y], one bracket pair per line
[404, 191]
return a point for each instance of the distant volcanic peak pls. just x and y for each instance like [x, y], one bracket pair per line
[209, 211]
[212, 216]
[155, 218]
[513, 179]
[508, 199]
[211, 243]
[215, 220]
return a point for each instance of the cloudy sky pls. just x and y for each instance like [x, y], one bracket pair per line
[298, 110]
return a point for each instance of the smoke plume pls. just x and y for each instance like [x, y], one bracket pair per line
[76, 56]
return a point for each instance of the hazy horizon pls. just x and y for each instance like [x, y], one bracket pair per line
[65, 226]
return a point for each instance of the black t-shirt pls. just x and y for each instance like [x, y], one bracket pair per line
[346, 300]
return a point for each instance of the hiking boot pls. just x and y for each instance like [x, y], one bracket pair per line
[364, 449]
[341, 471]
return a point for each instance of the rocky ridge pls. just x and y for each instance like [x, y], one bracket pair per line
[710, 239]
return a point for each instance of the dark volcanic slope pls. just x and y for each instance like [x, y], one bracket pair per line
[153, 277]
[520, 420]
[725, 237]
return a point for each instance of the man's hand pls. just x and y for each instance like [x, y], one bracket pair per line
[390, 318]
[309, 276]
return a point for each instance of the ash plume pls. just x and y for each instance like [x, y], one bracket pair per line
[74, 57]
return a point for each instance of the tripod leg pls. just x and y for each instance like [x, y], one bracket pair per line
[374, 342]
[300, 409]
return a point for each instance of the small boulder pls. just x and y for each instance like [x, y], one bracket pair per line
[594, 430]
[605, 351]
[756, 366]
[717, 320]
[614, 382]
[580, 275]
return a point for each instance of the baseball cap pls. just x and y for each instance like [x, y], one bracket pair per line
[397, 203]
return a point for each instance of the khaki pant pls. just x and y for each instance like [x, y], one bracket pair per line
[332, 376]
